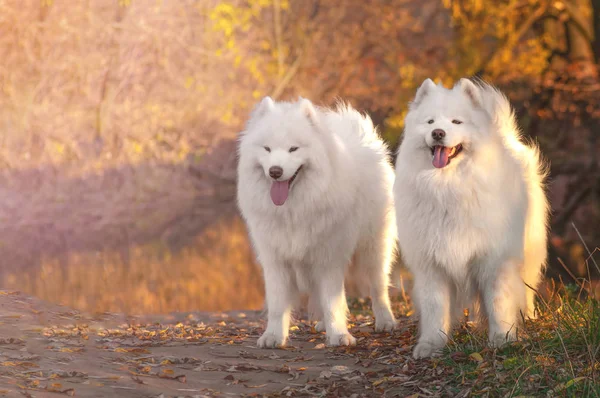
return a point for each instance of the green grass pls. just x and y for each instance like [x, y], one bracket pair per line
[557, 354]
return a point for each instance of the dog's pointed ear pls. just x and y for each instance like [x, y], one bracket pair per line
[309, 111]
[471, 90]
[426, 87]
[264, 106]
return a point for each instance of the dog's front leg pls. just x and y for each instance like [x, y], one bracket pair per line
[281, 292]
[432, 293]
[330, 290]
[503, 294]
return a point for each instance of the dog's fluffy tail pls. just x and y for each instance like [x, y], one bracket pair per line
[503, 116]
[535, 173]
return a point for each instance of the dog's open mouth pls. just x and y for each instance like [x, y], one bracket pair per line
[443, 154]
[281, 189]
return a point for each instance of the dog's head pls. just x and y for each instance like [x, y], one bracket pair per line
[446, 126]
[279, 144]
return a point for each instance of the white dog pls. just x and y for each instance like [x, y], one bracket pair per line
[471, 209]
[315, 188]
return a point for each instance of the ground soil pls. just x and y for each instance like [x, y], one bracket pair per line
[48, 350]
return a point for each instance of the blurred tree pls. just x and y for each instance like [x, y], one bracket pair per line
[542, 53]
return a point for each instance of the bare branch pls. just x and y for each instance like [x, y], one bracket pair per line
[513, 39]
[277, 23]
[288, 76]
[570, 208]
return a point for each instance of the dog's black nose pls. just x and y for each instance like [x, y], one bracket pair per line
[438, 134]
[275, 172]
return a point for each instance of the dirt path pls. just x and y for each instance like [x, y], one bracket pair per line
[48, 350]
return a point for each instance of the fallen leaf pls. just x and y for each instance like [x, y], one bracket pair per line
[257, 386]
[326, 374]
[564, 386]
[69, 349]
[340, 370]
[475, 356]
[458, 356]
[132, 350]
[510, 363]
[380, 381]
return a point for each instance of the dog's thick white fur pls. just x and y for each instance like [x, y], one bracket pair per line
[471, 211]
[315, 188]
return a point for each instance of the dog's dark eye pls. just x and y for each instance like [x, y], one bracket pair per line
[456, 121]
[267, 149]
[430, 121]
[293, 149]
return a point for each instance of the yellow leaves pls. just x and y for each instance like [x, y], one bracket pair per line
[545, 360]
[57, 387]
[59, 147]
[54, 386]
[19, 364]
[189, 82]
[227, 18]
[71, 349]
[265, 45]
[380, 381]
[475, 356]
[227, 116]
[570, 383]
[396, 121]
[491, 37]
[407, 74]
[232, 20]
[135, 350]
[137, 147]
[510, 363]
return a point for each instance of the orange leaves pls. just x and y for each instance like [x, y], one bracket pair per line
[132, 350]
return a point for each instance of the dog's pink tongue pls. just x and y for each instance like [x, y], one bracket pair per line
[440, 156]
[279, 192]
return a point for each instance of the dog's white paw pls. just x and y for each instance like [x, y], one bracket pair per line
[320, 326]
[499, 339]
[271, 340]
[385, 324]
[344, 339]
[426, 349]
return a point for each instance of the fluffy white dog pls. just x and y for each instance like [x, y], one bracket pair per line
[315, 188]
[471, 209]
